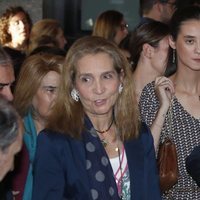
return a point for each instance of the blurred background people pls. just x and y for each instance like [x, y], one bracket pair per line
[159, 10]
[15, 26]
[46, 32]
[184, 112]
[10, 136]
[195, 2]
[41, 73]
[149, 49]
[111, 25]
[7, 77]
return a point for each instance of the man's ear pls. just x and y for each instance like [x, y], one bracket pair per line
[147, 50]
[160, 6]
[172, 42]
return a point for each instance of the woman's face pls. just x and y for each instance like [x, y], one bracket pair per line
[19, 28]
[97, 83]
[160, 56]
[61, 39]
[46, 94]
[121, 33]
[187, 45]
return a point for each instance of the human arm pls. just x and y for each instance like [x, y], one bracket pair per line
[154, 104]
[193, 164]
[48, 174]
[164, 91]
[150, 167]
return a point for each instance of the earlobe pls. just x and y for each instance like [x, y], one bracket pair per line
[159, 7]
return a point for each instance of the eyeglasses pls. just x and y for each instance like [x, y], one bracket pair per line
[123, 27]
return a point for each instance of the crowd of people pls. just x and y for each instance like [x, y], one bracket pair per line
[86, 122]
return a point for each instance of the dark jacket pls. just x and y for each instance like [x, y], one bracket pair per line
[193, 164]
[60, 171]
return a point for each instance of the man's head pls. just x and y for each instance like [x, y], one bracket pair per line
[7, 77]
[159, 10]
[10, 136]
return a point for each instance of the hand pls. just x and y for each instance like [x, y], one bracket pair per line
[164, 89]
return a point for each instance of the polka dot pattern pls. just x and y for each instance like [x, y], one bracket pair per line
[98, 167]
[104, 161]
[94, 194]
[100, 176]
[90, 147]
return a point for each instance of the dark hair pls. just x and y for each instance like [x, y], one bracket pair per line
[151, 33]
[5, 59]
[48, 50]
[9, 124]
[195, 2]
[182, 15]
[146, 5]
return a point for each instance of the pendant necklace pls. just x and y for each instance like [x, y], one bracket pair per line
[104, 141]
[120, 168]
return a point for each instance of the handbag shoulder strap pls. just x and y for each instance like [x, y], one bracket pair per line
[168, 125]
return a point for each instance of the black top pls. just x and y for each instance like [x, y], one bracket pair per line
[17, 57]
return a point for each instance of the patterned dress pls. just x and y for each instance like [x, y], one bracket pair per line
[185, 132]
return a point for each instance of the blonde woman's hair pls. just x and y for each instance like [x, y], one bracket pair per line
[68, 116]
[31, 75]
[45, 28]
[107, 23]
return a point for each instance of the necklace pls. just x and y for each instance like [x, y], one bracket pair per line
[120, 168]
[104, 131]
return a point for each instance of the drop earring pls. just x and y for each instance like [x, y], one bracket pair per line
[120, 88]
[174, 56]
[75, 95]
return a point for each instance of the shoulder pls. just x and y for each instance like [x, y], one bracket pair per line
[145, 134]
[148, 103]
[144, 140]
[148, 91]
[193, 160]
[193, 164]
[48, 137]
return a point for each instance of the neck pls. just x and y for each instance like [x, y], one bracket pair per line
[143, 74]
[107, 129]
[189, 83]
[101, 122]
[17, 45]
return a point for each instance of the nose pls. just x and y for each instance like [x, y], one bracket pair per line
[7, 93]
[21, 24]
[65, 41]
[98, 87]
[197, 49]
